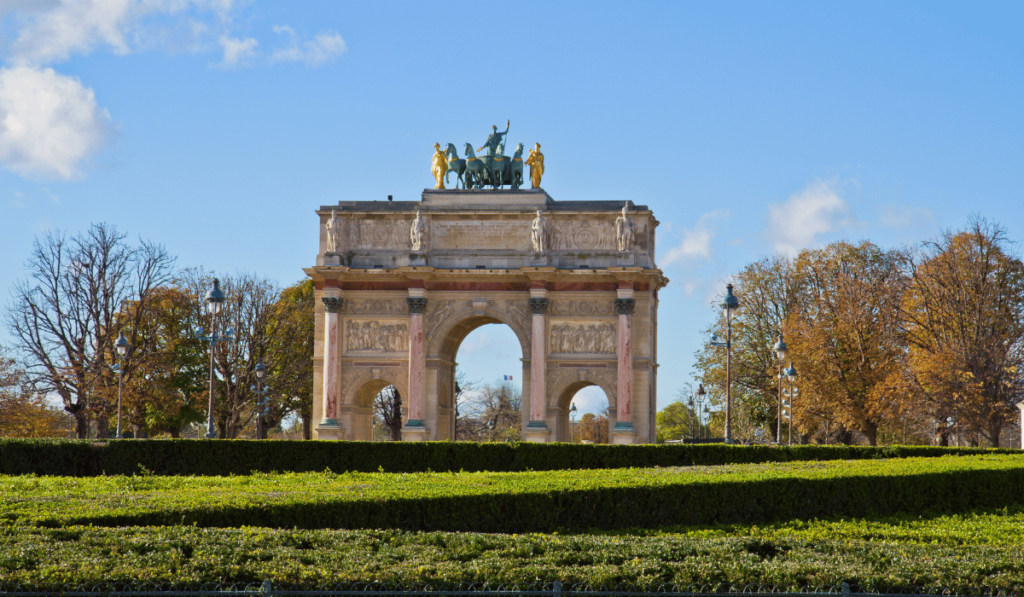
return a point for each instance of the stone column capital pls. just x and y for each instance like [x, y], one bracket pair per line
[332, 304]
[538, 306]
[417, 305]
[625, 306]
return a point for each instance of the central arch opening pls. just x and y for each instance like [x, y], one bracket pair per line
[486, 377]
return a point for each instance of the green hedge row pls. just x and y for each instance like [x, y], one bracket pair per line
[81, 458]
[51, 559]
[523, 502]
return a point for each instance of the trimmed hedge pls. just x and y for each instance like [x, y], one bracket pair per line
[84, 458]
[523, 502]
[975, 553]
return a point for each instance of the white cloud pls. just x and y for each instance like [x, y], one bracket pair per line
[53, 31]
[797, 223]
[48, 122]
[71, 27]
[313, 52]
[696, 242]
[236, 50]
[898, 216]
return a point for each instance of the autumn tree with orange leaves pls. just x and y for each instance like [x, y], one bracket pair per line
[964, 321]
[844, 335]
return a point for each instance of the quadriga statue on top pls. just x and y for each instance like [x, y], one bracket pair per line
[492, 168]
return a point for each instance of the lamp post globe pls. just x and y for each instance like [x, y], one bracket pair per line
[122, 349]
[780, 348]
[214, 298]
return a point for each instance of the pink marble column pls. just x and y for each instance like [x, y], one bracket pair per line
[538, 362]
[331, 371]
[624, 399]
[417, 360]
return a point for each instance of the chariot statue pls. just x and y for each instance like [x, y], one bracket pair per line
[492, 168]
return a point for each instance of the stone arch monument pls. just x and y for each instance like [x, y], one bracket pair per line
[399, 285]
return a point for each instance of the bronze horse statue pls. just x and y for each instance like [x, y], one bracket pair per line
[475, 172]
[456, 165]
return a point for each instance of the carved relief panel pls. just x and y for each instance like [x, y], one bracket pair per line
[585, 235]
[583, 338]
[376, 336]
[379, 234]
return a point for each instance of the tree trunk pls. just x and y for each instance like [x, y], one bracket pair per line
[102, 427]
[870, 431]
[307, 427]
[81, 425]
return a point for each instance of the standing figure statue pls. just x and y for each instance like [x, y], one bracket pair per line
[333, 232]
[538, 232]
[418, 233]
[494, 138]
[625, 229]
[439, 167]
[536, 163]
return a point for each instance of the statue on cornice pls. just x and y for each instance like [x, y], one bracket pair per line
[418, 233]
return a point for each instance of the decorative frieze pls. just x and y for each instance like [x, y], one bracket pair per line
[375, 307]
[582, 308]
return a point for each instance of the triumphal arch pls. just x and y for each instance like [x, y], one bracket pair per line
[400, 284]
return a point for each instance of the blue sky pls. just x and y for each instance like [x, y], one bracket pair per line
[217, 127]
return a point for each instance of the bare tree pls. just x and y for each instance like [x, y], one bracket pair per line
[387, 406]
[500, 403]
[67, 314]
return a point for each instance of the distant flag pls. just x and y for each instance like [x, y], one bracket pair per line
[508, 378]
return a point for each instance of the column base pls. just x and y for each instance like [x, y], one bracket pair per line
[328, 429]
[537, 432]
[623, 433]
[414, 431]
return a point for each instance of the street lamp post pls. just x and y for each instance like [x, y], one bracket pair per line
[572, 424]
[261, 397]
[707, 421]
[791, 377]
[781, 350]
[122, 350]
[729, 305]
[700, 400]
[491, 424]
[214, 302]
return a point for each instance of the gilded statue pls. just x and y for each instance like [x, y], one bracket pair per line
[333, 232]
[439, 167]
[418, 232]
[538, 232]
[625, 229]
[536, 163]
